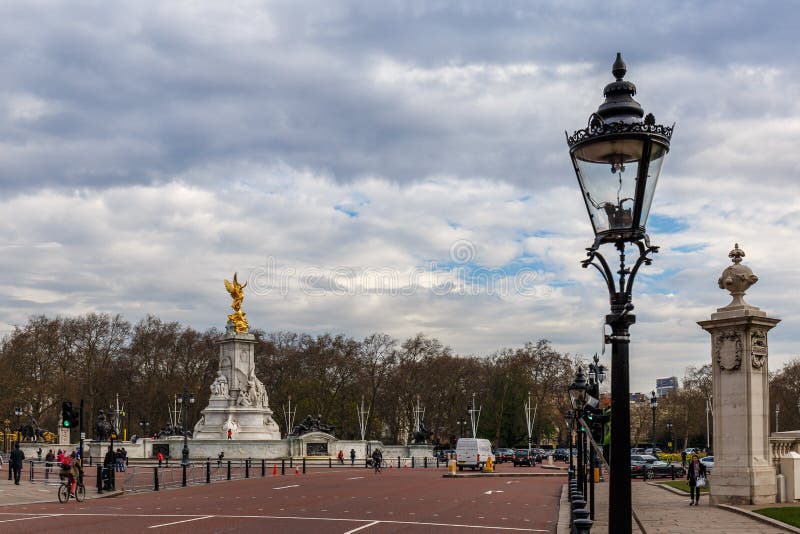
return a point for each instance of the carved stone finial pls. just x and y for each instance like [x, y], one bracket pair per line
[737, 279]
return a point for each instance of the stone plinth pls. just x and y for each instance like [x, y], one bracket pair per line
[239, 401]
[743, 471]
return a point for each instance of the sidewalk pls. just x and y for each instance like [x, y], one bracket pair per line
[36, 492]
[660, 511]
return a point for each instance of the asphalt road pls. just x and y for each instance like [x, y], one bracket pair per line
[337, 500]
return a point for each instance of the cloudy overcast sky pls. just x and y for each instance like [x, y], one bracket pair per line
[390, 166]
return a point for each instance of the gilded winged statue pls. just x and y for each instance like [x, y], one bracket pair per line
[236, 291]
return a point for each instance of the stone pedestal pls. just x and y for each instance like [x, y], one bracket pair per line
[63, 436]
[743, 472]
[238, 400]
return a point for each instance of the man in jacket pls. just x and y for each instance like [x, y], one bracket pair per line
[108, 468]
[17, 456]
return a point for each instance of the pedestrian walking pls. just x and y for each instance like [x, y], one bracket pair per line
[340, 456]
[16, 458]
[696, 475]
[48, 462]
[39, 454]
[118, 460]
[683, 458]
[108, 468]
[352, 457]
[160, 457]
[124, 459]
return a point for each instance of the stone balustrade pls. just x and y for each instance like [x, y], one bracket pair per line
[782, 443]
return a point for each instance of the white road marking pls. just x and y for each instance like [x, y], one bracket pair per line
[362, 527]
[354, 478]
[184, 521]
[287, 487]
[229, 516]
[492, 491]
[26, 518]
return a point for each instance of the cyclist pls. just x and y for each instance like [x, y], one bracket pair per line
[377, 459]
[72, 470]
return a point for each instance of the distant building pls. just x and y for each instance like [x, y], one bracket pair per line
[665, 386]
[639, 397]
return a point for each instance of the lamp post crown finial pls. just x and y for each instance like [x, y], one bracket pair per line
[619, 68]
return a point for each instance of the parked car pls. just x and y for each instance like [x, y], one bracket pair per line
[503, 455]
[637, 450]
[692, 450]
[539, 454]
[654, 452]
[561, 454]
[664, 469]
[638, 468]
[646, 458]
[521, 457]
[708, 461]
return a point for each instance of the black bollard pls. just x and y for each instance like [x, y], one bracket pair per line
[672, 471]
[330, 462]
[99, 479]
[583, 526]
[208, 470]
[304, 465]
[183, 475]
[155, 478]
[31, 470]
[263, 468]
[290, 462]
[283, 467]
[247, 468]
[398, 462]
[412, 462]
[229, 469]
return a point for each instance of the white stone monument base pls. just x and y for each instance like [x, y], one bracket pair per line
[246, 424]
[742, 485]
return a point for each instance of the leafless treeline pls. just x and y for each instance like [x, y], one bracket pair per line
[95, 356]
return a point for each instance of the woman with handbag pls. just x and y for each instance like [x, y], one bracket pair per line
[696, 475]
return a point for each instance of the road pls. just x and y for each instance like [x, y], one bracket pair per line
[322, 501]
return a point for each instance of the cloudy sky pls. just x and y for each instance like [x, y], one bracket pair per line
[390, 166]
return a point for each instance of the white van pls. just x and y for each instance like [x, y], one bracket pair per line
[472, 452]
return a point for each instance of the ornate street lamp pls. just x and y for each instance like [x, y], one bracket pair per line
[669, 431]
[617, 159]
[185, 399]
[18, 413]
[577, 395]
[653, 406]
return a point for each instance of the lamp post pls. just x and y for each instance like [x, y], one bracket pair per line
[185, 399]
[577, 395]
[461, 422]
[570, 418]
[777, 414]
[18, 413]
[144, 424]
[597, 375]
[669, 431]
[619, 139]
[653, 406]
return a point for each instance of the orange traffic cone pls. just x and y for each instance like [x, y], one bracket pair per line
[274, 469]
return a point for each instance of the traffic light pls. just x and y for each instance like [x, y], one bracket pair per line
[69, 418]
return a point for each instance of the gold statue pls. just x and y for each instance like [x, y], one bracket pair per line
[236, 291]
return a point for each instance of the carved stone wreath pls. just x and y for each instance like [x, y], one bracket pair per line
[729, 351]
[758, 348]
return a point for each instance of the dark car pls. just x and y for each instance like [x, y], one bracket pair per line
[561, 454]
[521, 457]
[664, 469]
[638, 468]
[503, 455]
[646, 458]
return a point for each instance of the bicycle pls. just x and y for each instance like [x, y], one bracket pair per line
[64, 493]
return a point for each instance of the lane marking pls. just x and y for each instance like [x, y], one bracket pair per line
[492, 491]
[31, 517]
[184, 521]
[354, 478]
[287, 487]
[230, 516]
[362, 527]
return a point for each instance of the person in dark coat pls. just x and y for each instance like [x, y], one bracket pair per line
[696, 470]
[108, 468]
[16, 458]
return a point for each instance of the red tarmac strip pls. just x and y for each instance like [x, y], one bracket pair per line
[338, 500]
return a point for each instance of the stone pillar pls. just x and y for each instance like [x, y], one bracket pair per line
[743, 472]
